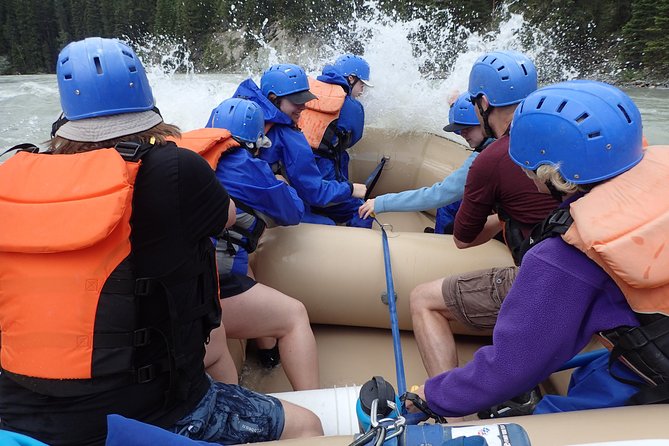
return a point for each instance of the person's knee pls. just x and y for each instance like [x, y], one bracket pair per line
[300, 422]
[312, 425]
[418, 299]
[298, 312]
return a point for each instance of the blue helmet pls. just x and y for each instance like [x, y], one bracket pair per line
[242, 118]
[504, 77]
[590, 130]
[350, 64]
[286, 80]
[101, 77]
[461, 114]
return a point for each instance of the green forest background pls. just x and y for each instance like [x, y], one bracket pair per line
[630, 37]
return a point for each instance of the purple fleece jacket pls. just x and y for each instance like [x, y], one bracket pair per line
[559, 299]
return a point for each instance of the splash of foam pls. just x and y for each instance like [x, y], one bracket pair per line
[418, 63]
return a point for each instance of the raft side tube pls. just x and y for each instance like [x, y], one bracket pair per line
[338, 272]
[415, 159]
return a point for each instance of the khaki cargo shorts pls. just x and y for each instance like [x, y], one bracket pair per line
[474, 298]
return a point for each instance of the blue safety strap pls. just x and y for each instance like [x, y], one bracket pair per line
[394, 325]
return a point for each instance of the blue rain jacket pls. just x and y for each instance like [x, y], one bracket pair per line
[351, 121]
[251, 181]
[291, 156]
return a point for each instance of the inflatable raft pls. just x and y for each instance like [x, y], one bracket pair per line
[338, 273]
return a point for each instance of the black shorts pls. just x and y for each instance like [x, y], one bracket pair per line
[232, 284]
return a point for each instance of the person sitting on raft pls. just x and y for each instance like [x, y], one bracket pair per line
[108, 308]
[233, 137]
[498, 82]
[284, 89]
[333, 123]
[446, 194]
[587, 273]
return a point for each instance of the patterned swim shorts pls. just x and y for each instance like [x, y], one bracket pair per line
[230, 414]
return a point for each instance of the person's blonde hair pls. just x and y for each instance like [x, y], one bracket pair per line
[549, 173]
[159, 133]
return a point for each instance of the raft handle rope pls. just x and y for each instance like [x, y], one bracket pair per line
[379, 429]
[421, 405]
[392, 309]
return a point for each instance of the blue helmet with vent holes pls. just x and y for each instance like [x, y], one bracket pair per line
[504, 77]
[101, 77]
[350, 64]
[591, 130]
[283, 79]
[242, 118]
[461, 114]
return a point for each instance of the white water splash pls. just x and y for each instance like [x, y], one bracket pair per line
[418, 66]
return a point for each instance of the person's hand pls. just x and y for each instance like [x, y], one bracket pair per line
[281, 178]
[420, 391]
[359, 190]
[366, 209]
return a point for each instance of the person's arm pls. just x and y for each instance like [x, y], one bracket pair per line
[447, 191]
[492, 226]
[251, 181]
[558, 301]
[478, 201]
[206, 207]
[303, 174]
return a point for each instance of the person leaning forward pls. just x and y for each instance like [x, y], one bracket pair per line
[109, 280]
[586, 275]
[498, 82]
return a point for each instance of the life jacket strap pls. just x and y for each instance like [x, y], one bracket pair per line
[645, 348]
[238, 233]
[557, 223]
[136, 338]
[132, 151]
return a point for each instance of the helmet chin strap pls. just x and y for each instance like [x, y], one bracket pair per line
[485, 114]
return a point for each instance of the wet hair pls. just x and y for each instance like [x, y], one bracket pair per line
[160, 133]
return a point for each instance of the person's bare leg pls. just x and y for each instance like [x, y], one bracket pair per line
[218, 362]
[265, 343]
[265, 312]
[429, 317]
[300, 422]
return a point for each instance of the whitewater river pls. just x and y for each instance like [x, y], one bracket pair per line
[29, 104]
[411, 93]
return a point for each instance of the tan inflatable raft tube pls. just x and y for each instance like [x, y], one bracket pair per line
[339, 274]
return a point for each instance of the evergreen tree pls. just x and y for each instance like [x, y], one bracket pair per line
[33, 31]
[92, 18]
[635, 32]
[22, 26]
[61, 16]
[166, 18]
[656, 56]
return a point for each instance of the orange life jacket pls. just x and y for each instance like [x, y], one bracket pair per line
[47, 324]
[69, 301]
[321, 112]
[210, 143]
[622, 226]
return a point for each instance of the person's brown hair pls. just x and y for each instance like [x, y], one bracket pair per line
[160, 133]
